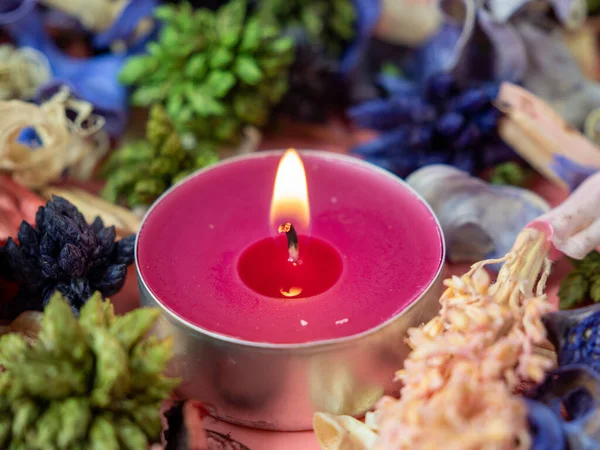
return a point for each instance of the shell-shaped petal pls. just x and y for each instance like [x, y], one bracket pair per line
[479, 221]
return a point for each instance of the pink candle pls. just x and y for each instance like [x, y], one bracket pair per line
[209, 253]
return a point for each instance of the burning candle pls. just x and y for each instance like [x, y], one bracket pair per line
[336, 258]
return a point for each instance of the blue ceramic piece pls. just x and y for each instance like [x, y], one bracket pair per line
[545, 427]
[94, 80]
[124, 27]
[571, 172]
[368, 12]
[576, 391]
[576, 336]
[13, 10]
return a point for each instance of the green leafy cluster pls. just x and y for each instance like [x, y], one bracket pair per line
[593, 5]
[582, 284]
[510, 173]
[139, 172]
[90, 384]
[330, 23]
[215, 72]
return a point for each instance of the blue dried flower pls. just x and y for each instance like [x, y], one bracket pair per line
[576, 336]
[65, 253]
[437, 123]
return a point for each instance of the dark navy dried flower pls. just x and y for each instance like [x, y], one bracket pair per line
[65, 253]
[437, 123]
[571, 393]
[316, 85]
[576, 336]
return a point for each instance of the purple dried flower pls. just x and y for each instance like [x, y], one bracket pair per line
[65, 253]
[438, 121]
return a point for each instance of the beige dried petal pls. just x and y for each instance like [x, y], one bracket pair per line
[342, 433]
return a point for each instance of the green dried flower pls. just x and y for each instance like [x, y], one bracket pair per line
[215, 72]
[139, 172]
[582, 284]
[329, 23]
[92, 383]
[510, 173]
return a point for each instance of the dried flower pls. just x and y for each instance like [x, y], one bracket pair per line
[63, 252]
[90, 383]
[329, 23]
[316, 85]
[59, 143]
[438, 123]
[22, 72]
[215, 72]
[140, 172]
[583, 283]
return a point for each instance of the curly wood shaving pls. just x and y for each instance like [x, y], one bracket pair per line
[22, 72]
[65, 144]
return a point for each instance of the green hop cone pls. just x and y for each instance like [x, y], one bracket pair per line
[205, 61]
[573, 290]
[140, 172]
[330, 24]
[114, 402]
[595, 287]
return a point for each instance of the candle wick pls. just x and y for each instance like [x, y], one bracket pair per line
[292, 238]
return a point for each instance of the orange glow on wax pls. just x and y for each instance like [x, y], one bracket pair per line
[290, 193]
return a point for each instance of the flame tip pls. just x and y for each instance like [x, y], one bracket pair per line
[290, 193]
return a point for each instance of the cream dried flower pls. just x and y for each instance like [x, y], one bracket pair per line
[460, 379]
[65, 144]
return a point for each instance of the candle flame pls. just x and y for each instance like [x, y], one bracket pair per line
[290, 194]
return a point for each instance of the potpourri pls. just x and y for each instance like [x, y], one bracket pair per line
[212, 75]
[62, 252]
[215, 72]
[329, 23]
[65, 136]
[139, 172]
[437, 123]
[90, 383]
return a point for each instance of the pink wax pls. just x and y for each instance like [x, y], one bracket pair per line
[190, 245]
